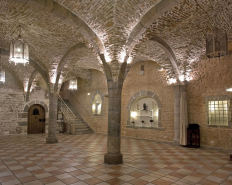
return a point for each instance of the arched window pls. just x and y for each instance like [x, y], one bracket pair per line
[144, 110]
[35, 112]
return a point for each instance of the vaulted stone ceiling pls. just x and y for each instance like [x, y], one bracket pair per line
[111, 20]
[47, 35]
[183, 27]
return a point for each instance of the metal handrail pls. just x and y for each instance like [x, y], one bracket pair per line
[81, 105]
[92, 118]
[65, 109]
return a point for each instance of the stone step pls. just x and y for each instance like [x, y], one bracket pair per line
[80, 126]
[79, 132]
[78, 119]
[80, 123]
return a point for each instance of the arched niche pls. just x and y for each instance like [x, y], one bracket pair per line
[97, 103]
[144, 110]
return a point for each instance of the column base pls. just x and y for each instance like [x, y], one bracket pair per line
[176, 142]
[51, 140]
[113, 158]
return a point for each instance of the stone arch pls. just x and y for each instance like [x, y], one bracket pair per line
[20, 83]
[64, 60]
[92, 99]
[42, 72]
[34, 64]
[31, 79]
[144, 94]
[27, 105]
[168, 51]
[145, 22]
[67, 16]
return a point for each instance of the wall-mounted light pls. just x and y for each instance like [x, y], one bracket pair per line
[229, 90]
[141, 72]
[171, 80]
[88, 94]
[2, 75]
[73, 84]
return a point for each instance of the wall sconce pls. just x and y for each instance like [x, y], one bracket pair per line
[73, 84]
[2, 75]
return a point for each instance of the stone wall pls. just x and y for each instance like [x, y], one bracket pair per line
[82, 102]
[40, 94]
[11, 104]
[13, 108]
[152, 81]
[212, 78]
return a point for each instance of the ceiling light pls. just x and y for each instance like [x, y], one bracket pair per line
[19, 51]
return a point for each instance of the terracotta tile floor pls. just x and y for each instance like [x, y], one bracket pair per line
[26, 159]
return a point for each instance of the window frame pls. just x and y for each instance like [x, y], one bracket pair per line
[218, 99]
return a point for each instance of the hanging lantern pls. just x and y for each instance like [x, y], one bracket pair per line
[217, 44]
[73, 84]
[19, 51]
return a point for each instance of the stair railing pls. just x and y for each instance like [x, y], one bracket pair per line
[68, 114]
[92, 118]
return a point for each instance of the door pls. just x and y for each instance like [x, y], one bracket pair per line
[36, 119]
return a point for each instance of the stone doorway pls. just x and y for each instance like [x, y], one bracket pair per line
[36, 119]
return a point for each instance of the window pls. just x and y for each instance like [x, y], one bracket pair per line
[218, 111]
[35, 112]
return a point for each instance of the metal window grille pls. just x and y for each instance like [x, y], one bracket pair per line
[218, 111]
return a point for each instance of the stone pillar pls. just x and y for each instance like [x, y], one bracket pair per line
[113, 155]
[177, 94]
[52, 119]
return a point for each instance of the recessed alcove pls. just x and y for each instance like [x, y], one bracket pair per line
[144, 111]
[97, 102]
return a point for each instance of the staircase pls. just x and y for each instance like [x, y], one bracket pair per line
[72, 117]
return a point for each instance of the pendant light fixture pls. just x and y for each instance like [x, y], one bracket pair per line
[19, 51]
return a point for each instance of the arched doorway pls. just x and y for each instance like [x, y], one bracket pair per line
[36, 119]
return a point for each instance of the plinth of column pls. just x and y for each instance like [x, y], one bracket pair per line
[113, 158]
[51, 140]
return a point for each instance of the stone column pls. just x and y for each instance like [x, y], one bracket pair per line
[113, 155]
[52, 119]
[177, 94]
